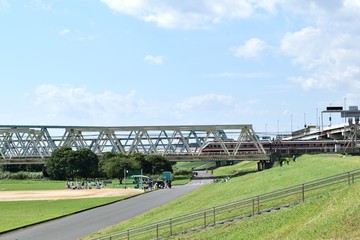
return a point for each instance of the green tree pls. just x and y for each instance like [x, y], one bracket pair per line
[115, 166]
[158, 163]
[57, 164]
[105, 157]
[145, 165]
[87, 163]
[65, 163]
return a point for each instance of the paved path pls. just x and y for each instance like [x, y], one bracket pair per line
[81, 224]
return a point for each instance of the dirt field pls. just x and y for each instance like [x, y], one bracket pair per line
[65, 194]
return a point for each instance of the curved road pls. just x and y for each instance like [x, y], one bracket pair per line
[81, 224]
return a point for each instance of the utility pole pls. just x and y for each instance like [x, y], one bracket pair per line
[125, 171]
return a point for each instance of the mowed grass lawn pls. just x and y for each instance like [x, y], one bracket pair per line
[15, 214]
[306, 168]
[24, 185]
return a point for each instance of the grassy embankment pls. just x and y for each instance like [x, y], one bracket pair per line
[308, 167]
[334, 215]
[193, 165]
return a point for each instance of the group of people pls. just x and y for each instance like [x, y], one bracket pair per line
[281, 160]
[152, 185]
[166, 183]
[84, 184]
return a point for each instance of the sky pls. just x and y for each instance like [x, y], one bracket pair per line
[275, 64]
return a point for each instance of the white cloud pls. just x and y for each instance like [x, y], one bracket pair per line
[305, 46]
[154, 59]
[188, 14]
[268, 5]
[252, 48]
[68, 104]
[64, 32]
[328, 50]
[330, 60]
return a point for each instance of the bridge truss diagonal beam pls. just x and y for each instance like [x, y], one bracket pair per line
[246, 135]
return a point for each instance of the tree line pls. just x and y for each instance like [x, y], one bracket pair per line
[66, 163]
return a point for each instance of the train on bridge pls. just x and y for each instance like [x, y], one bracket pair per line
[286, 147]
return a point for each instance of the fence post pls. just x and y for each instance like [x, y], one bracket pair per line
[157, 231]
[214, 215]
[253, 206]
[303, 192]
[128, 234]
[349, 178]
[205, 219]
[258, 204]
[353, 178]
[170, 227]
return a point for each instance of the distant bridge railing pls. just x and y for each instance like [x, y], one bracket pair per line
[235, 210]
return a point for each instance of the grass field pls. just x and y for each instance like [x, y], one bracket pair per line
[307, 168]
[24, 185]
[15, 214]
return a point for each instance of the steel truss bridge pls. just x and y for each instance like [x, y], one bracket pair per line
[27, 144]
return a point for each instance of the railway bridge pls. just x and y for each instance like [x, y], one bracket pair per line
[33, 144]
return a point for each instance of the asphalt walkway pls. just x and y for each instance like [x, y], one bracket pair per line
[84, 223]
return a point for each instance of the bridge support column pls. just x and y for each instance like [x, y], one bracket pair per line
[260, 165]
[264, 164]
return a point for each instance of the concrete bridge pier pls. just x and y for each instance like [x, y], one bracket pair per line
[261, 165]
[265, 164]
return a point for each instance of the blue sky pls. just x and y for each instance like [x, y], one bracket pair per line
[275, 64]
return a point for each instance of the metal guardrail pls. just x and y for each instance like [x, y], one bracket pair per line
[235, 210]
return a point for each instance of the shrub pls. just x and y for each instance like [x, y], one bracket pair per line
[183, 172]
[21, 175]
[4, 175]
